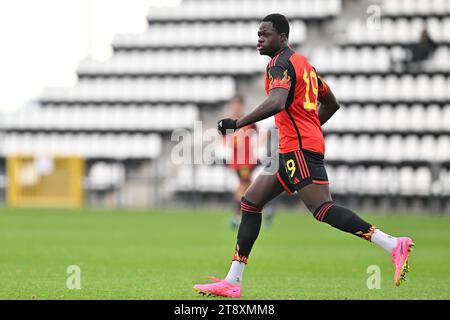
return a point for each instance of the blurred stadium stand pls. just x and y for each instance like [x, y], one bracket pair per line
[387, 148]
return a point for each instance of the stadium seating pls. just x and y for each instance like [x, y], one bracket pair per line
[377, 180]
[391, 138]
[415, 7]
[157, 118]
[103, 175]
[391, 118]
[205, 179]
[207, 10]
[169, 35]
[443, 186]
[109, 146]
[368, 60]
[394, 125]
[380, 147]
[347, 59]
[176, 62]
[143, 90]
[398, 30]
[391, 88]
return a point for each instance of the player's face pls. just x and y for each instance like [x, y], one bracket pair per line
[269, 41]
[235, 108]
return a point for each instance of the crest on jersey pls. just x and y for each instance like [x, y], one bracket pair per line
[284, 82]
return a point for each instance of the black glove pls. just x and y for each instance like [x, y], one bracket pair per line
[226, 126]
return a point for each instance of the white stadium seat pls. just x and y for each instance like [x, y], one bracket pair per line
[352, 117]
[368, 120]
[394, 148]
[444, 181]
[442, 151]
[427, 148]
[433, 118]
[385, 117]
[332, 147]
[378, 148]
[417, 116]
[422, 181]
[363, 148]
[407, 180]
[411, 148]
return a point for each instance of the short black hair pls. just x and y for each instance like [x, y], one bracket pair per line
[279, 22]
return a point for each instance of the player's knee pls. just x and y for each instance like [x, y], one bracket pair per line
[316, 204]
[313, 205]
[251, 196]
[320, 211]
[249, 204]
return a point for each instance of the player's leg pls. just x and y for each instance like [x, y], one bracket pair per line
[261, 191]
[269, 213]
[244, 174]
[307, 173]
[318, 200]
[315, 193]
[238, 193]
[236, 218]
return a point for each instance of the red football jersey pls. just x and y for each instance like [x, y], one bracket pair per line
[298, 124]
[243, 148]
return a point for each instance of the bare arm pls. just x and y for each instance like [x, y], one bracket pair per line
[328, 106]
[274, 104]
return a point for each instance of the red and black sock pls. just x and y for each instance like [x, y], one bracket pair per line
[344, 219]
[248, 230]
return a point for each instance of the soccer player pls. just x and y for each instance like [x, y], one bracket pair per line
[243, 160]
[294, 90]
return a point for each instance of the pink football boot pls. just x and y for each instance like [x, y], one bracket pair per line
[400, 256]
[219, 288]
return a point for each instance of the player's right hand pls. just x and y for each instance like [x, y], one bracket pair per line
[226, 126]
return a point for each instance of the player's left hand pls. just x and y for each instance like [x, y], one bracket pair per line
[226, 126]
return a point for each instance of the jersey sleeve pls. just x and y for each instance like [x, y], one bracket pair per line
[278, 75]
[324, 88]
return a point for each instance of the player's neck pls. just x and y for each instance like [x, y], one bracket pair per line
[278, 51]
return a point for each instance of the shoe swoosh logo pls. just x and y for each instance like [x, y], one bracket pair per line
[401, 251]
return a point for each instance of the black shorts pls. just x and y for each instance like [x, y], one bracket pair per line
[297, 169]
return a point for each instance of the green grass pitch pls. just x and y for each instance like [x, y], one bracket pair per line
[125, 254]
